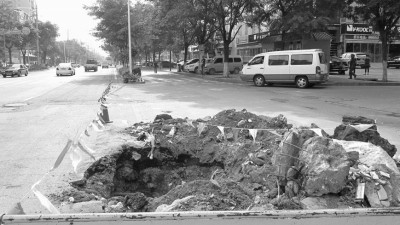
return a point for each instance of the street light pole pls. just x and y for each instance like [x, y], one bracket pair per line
[129, 38]
[37, 37]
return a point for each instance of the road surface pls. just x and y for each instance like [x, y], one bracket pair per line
[53, 109]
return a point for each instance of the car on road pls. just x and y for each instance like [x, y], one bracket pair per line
[91, 64]
[104, 66]
[16, 70]
[75, 65]
[304, 68]
[394, 62]
[65, 69]
[338, 65]
[360, 58]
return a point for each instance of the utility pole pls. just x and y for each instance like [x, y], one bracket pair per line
[65, 57]
[129, 37]
[37, 37]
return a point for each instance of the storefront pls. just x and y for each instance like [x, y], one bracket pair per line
[362, 38]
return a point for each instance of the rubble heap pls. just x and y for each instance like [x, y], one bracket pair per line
[235, 160]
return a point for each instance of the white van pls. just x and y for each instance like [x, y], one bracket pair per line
[305, 68]
[235, 64]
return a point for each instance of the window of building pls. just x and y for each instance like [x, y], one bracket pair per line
[302, 59]
[276, 60]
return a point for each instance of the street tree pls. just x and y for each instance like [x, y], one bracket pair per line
[295, 17]
[7, 22]
[24, 41]
[383, 15]
[48, 33]
[113, 26]
[228, 13]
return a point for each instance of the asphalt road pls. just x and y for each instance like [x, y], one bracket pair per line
[59, 108]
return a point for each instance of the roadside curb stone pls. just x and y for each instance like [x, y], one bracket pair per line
[332, 82]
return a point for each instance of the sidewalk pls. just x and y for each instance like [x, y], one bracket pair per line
[373, 79]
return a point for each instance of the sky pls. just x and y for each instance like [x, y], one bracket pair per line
[72, 20]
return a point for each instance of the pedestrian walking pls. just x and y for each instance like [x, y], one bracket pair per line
[367, 65]
[352, 69]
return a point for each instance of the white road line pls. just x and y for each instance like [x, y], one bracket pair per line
[28, 99]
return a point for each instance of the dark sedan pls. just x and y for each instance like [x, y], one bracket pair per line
[16, 70]
[338, 65]
[394, 62]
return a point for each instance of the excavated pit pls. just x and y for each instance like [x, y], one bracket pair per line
[156, 177]
[221, 171]
[214, 163]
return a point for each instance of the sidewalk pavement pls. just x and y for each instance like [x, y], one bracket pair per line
[373, 79]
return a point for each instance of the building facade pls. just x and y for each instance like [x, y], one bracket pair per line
[343, 36]
[24, 10]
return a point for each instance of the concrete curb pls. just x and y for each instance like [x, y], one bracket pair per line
[332, 82]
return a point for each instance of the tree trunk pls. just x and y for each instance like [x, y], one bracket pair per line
[23, 56]
[384, 55]
[154, 61]
[185, 56]
[9, 55]
[226, 58]
[170, 60]
[44, 56]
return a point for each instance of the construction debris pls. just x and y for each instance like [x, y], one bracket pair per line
[236, 160]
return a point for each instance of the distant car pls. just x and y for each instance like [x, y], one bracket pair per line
[65, 69]
[360, 58]
[104, 65]
[394, 62]
[338, 65]
[75, 65]
[91, 64]
[16, 70]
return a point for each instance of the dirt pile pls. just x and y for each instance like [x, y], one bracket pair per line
[235, 160]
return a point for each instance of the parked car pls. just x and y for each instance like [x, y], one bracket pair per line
[65, 69]
[2, 70]
[360, 58]
[167, 64]
[235, 65]
[191, 65]
[338, 65]
[394, 62]
[305, 68]
[16, 70]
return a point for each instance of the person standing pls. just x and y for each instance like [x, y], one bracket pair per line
[352, 69]
[367, 65]
[203, 63]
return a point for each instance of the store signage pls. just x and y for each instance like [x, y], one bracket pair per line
[356, 29]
